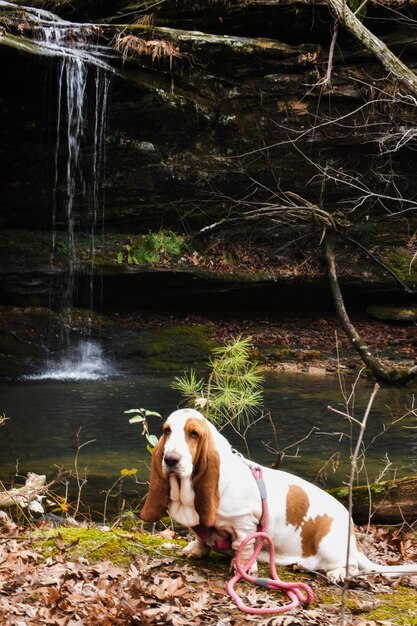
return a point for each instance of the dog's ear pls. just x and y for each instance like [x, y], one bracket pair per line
[158, 494]
[206, 479]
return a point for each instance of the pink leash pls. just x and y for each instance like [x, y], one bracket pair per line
[296, 592]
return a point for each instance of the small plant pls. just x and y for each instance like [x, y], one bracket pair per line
[232, 393]
[150, 249]
[141, 417]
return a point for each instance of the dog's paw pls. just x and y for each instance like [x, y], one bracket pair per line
[252, 571]
[196, 550]
[336, 575]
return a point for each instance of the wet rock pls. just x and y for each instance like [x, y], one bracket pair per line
[393, 313]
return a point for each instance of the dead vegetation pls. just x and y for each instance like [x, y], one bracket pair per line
[89, 576]
[157, 49]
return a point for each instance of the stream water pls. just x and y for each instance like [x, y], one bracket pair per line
[45, 417]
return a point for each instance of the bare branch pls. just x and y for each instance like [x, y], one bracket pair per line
[389, 60]
[353, 465]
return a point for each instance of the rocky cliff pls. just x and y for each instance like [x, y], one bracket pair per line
[216, 105]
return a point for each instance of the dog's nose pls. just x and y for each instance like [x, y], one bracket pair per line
[171, 459]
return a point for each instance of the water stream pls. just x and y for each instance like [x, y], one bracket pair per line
[79, 172]
[45, 417]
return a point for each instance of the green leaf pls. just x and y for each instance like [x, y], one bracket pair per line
[152, 414]
[137, 419]
[153, 440]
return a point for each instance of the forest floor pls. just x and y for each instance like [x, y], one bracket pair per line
[88, 576]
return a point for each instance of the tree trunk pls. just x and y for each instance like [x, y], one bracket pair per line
[22, 496]
[389, 60]
[383, 373]
[387, 502]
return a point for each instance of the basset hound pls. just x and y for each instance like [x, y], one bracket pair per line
[202, 483]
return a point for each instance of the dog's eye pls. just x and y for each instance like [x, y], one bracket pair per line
[194, 434]
[167, 430]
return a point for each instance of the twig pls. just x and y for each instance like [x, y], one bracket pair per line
[346, 415]
[80, 483]
[353, 470]
[280, 453]
[328, 78]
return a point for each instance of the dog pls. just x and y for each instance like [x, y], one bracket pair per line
[206, 486]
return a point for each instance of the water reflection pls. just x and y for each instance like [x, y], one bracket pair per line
[47, 415]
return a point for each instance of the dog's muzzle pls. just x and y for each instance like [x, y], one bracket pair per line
[172, 461]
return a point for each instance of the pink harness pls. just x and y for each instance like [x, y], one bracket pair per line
[296, 592]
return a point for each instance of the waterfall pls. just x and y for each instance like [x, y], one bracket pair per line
[83, 81]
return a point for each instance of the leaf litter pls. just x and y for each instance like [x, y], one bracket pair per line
[64, 589]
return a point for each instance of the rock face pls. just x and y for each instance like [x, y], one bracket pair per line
[216, 102]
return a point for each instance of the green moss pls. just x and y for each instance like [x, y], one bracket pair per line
[399, 259]
[22, 44]
[332, 596]
[400, 606]
[362, 493]
[172, 348]
[95, 544]
[36, 246]
[119, 547]
[341, 493]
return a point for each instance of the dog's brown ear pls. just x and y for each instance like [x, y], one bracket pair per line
[157, 500]
[206, 479]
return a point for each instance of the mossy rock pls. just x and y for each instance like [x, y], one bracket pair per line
[392, 313]
[389, 501]
[400, 259]
[173, 348]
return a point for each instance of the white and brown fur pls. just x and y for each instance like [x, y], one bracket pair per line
[199, 480]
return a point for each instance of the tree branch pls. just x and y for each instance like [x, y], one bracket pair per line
[389, 60]
[377, 260]
[386, 374]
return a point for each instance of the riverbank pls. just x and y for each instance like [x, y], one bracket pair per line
[293, 341]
